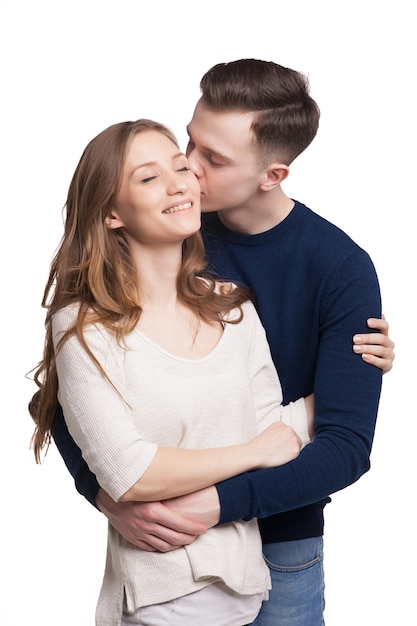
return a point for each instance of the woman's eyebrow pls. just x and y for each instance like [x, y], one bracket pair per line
[152, 163]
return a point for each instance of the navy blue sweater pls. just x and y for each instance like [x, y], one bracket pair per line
[314, 289]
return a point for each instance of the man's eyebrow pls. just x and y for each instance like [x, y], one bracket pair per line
[211, 150]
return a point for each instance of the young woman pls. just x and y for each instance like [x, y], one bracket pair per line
[164, 375]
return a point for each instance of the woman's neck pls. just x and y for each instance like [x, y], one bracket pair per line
[157, 272]
[165, 319]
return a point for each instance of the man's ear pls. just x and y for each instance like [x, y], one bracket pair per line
[113, 220]
[275, 174]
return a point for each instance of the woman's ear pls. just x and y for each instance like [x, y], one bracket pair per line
[275, 174]
[112, 220]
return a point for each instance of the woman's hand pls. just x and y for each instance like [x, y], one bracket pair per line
[376, 348]
[276, 445]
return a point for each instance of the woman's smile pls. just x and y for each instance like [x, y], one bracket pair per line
[177, 208]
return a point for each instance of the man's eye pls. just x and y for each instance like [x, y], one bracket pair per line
[211, 160]
[190, 147]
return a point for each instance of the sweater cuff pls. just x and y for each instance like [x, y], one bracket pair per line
[235, 497]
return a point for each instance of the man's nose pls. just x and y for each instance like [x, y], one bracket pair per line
[194, 164]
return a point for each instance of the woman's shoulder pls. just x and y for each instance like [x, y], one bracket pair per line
[65, 317]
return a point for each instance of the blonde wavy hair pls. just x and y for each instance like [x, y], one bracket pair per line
[93, 268]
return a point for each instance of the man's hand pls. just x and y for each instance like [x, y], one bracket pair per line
[376, 348]
[201, 506]
[151, 526]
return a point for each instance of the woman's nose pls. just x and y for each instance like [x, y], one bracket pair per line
[177, 183]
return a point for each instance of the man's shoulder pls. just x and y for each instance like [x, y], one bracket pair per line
[318, 221]
[303, 232]
[326, 233]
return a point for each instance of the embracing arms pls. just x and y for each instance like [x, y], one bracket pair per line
[153, 525]
[188, 453]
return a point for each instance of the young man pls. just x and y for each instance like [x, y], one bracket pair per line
[314, 288]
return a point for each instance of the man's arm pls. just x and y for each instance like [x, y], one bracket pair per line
[85, 481]
[346, 393]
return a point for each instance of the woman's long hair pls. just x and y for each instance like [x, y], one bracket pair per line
[93, 268]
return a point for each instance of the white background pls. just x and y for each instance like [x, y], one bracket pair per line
[70, 69]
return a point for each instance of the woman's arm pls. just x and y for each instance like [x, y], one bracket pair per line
[178, 471]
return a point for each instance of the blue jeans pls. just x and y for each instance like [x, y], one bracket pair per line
[297, 594]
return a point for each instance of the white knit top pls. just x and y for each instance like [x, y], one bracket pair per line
[221, 399]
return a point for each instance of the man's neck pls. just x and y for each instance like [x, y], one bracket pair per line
[254, 220]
